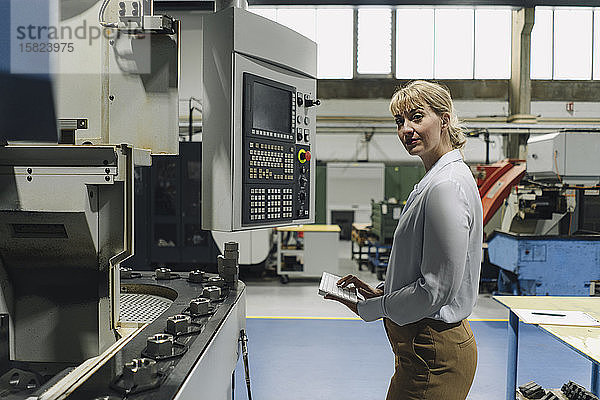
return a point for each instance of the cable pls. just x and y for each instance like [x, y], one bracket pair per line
[536, 183]
[101, 16]
[191, 110]
[556, 165]
[244, 340]
[560, 179]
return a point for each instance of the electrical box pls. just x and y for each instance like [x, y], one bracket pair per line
[259, 122]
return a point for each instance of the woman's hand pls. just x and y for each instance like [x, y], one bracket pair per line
[352, 306]
[363, 288]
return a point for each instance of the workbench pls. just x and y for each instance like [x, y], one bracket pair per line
[584, 340]
[316, 251]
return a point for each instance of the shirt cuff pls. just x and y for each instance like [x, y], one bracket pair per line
[371, 309]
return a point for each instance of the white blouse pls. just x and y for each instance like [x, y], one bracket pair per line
[434, 264]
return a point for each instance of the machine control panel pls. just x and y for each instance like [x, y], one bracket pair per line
[276, 141]
[259, 82]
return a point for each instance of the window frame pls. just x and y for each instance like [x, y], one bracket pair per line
[473, 43]
[592, 49]
[392, 61]
[393, 9]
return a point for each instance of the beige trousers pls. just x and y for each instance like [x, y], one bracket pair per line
[434, 360]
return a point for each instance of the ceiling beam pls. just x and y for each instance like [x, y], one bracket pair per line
[365, 88]
[208, 5]
[512, 3]
[462, 89]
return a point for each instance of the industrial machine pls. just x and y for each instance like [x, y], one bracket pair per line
[259, 123]
[384, 219]
[495, 182]
[73, 322]
[549, 243]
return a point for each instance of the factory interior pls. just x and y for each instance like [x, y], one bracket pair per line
[179, 177]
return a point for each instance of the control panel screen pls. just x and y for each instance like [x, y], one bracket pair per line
[276, 163]
[271, 109]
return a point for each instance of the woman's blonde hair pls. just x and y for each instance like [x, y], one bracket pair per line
[417, 94]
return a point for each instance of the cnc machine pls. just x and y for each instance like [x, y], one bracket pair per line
[549, 243]
[75, 324]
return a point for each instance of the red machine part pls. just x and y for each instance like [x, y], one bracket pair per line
[496, 183]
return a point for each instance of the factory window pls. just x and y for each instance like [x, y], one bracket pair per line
[269, 13]
[302, 20]
[330, 28]
[453, 57]
[541, 44]
[374, 42]
[492, 43]
[596, 41]
[414, 53]
[453, 43]
[445, 43]
[564, 44]
[573, 43]
[334, 39]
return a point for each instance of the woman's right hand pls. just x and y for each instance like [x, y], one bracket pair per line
[363, 288]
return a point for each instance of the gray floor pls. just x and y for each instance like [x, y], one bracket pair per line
[299, 299]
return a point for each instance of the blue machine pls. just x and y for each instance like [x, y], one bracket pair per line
[545, 265]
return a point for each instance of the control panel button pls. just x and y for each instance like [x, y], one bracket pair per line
[299, 134]
[306, 135]
[299, 99]
[302, 181]
[302, 197]
[299, 119]
[308, 102]
[303, 156]
[306, 120]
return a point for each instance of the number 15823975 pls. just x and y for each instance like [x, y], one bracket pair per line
[46, 47]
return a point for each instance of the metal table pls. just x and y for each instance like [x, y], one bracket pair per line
[583, 340]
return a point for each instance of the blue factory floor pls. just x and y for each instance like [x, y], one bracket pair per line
[300, 359]
[303, 347]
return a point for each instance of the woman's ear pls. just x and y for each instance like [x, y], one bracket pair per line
[445, 120]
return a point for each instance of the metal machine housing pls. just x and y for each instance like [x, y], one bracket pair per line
[238, 42]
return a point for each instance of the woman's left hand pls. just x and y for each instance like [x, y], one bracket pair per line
[352, 306]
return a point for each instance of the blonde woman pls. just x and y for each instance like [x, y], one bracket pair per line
[433, 272]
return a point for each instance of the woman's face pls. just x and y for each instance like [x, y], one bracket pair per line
[420, 131]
